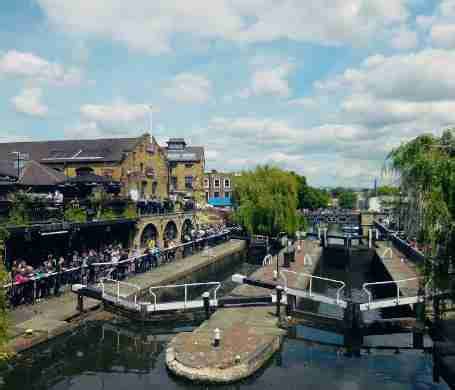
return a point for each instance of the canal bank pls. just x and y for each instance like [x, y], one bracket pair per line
[34, 324]
[249, 335]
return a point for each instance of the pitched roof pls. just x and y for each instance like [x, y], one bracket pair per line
[36, 174]
[188, 154]
[99, 150]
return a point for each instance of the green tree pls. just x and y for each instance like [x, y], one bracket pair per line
[347, 200]
[388, 191]
[426, 166]
[266, 201]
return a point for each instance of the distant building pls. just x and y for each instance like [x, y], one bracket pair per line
[218, 187]
[139, 163]
[186, 169]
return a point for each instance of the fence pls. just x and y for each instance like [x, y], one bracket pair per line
[41, 285]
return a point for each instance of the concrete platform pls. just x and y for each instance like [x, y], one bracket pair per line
[249, 336]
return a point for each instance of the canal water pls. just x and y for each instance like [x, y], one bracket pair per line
[116, 355]
[120, 355]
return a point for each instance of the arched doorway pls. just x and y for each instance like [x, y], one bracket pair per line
[150, 232]
[170, 232]
[187, 226]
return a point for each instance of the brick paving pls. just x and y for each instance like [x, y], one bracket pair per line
[245, 332]
[399, 268]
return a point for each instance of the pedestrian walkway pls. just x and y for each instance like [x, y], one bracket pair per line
[52, 317]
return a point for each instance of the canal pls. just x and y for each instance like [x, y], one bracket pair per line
[116, 354]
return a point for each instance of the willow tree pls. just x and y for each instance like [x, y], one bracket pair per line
[426, 166]
[266, 201]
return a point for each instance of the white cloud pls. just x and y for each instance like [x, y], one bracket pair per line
[443, 35]
[189, 88]
[32, 67]
[405, 39]
[422, 76]
[152, 26]
[272, 82]
[116, 112]
[440, 25]
[29, 102]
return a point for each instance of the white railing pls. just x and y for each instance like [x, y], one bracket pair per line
[388, 282]
[185, 286]
[310, 284]
[119, 283]
[267, 260]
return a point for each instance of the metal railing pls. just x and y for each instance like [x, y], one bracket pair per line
[118, 284]
[310, 284]
[185, 286]
[268, 259]
[388, 282]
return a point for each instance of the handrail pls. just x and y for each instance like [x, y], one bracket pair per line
[268, 259]
[396, 282]
[310, 289]
[102, 280]
[186, 285]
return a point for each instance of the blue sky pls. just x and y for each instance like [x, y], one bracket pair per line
[325, 87]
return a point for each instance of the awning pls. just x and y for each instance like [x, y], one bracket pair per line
[220, 202]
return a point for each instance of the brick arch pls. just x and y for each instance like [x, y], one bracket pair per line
[149, 230]
[171, 230]
[184, 223]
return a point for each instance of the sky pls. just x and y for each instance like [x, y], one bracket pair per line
[326, 88]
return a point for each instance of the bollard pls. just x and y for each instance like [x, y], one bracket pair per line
[436, 367]
[216, 337]
[286, 263]
[275, 275]
[370, 238]
[206, 299]
[417, 338]
[279, 293]
[290, 304]
[80, 303]
[143, 308]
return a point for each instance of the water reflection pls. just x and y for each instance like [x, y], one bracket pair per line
[118, 356]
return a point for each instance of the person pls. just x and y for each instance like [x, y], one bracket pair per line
[58, 265]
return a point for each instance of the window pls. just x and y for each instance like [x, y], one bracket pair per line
[141, 167]
[227, 183]
[216, 194]
[174, 182]
[216, 183]
[188, 165]
[207, 195]
[227, 195]
[189, 182]
[206, 183]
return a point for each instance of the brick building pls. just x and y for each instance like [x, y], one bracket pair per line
[186, 169]
[139, 163]
[218, 185]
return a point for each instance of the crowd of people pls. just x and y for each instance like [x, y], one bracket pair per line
[29, 284]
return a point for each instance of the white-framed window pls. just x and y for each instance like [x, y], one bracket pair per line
[216, 182]
[227, 183]
[227, 194]
[216, 194]
[206, 182]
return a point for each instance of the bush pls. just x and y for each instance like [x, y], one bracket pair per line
[130, 212]
[75, 214]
